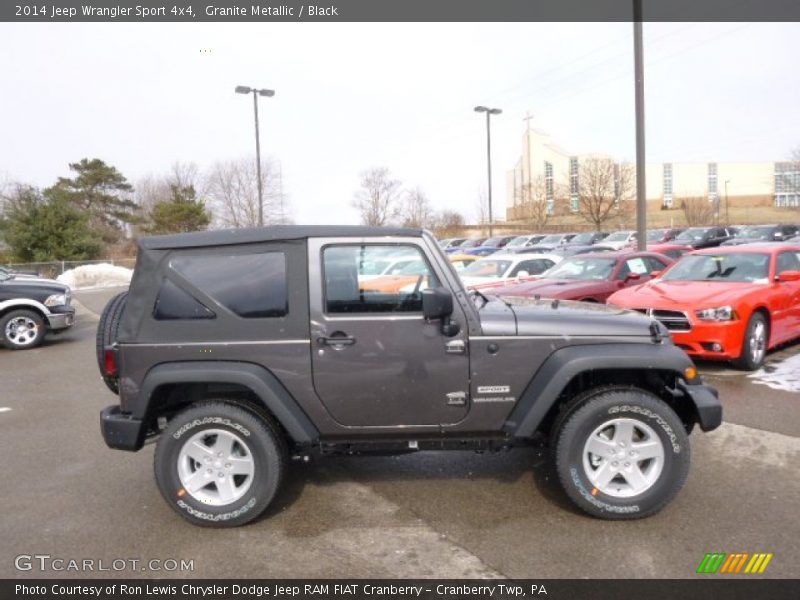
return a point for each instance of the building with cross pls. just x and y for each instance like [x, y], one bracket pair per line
[546, 172]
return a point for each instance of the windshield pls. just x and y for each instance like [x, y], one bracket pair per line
[618, 236]
[747, 267]
[487, 268]
[551, 239]
[582, 268]
[470, 243]
[692, 234]
[415, 267]
[582, 238]
[518, 241]
[495, 241]
[655, 234]
[752, 232]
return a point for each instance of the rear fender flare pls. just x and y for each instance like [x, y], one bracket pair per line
[274, 397]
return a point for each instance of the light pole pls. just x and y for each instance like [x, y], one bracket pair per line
[489, 112]
[638, 76]
[727, 215]
[243, 89]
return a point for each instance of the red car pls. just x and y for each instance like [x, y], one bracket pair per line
[590, 277]
[732, 303]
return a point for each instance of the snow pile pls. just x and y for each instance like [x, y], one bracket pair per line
[95, 276]
[783, 375]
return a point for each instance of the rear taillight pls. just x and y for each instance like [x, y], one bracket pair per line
[111, 362]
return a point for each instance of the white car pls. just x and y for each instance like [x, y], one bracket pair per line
[496, 269]
[379, 266]
[619, 239]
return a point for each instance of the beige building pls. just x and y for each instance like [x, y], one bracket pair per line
[554, 174]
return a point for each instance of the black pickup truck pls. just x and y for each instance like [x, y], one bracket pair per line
[31, 307]
[240, 349]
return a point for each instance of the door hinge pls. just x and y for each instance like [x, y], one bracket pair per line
[455, 347]
[456, 399]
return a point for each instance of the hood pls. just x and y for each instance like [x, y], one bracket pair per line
[34, 289]
[565, 318]
[552, 288]
[473, 281]
[683, 294]
[743, 240]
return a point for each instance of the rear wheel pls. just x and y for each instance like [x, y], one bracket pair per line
[219, 465]
[22, 329]
[107, 329]
[623, 454]
[754, 344]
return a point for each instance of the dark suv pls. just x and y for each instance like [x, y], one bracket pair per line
[240, 349]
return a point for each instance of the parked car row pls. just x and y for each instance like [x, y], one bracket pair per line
[730, 302]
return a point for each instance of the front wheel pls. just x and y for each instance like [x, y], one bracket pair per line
[22, 329]
[219, 465]
[754, 344]
[624, 454]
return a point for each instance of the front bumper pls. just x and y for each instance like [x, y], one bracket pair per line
[708, 408]
[712, 340]
[61, 317]
[121, 431]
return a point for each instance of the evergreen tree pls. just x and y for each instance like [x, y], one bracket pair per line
[181, 213]
[41, 228]
[102, 192]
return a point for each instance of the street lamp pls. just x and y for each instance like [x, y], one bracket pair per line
[489, 112]
[727, 215]
[243, 89]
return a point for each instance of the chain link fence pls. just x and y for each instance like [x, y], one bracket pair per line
[53, 269]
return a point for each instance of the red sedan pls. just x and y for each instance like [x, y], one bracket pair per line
[590, 277]
[732, 303]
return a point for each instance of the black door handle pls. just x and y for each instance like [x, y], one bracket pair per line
[336, 340]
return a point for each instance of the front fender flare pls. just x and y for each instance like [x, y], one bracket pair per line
[563, 365]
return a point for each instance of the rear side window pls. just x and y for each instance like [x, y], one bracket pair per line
[174, 303]
[252, 286]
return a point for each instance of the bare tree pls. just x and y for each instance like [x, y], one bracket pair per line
[533, 201]
[416, 210]
[697, 211]
[378, 199]
[482, 208]
[232, 187]
[152, 189]
[448, 223]
[604, 190]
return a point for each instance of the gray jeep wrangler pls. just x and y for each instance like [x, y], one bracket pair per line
[239, 350]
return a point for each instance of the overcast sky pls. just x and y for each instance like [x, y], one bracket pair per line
[352, 96]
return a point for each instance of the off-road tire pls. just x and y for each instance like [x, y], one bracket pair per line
[629, 404]
[28, 315]
[107, 329]
[264, 441]
[746, 361]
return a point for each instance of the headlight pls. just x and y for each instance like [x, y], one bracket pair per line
[56, 300]
[723, 313]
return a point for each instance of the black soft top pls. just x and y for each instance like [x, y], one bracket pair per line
[222, 237]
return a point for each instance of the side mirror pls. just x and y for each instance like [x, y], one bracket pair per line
[789, 276]
[437, 303]
[521, 274]
[655, 274]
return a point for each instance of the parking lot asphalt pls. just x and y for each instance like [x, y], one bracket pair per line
[455, 514]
